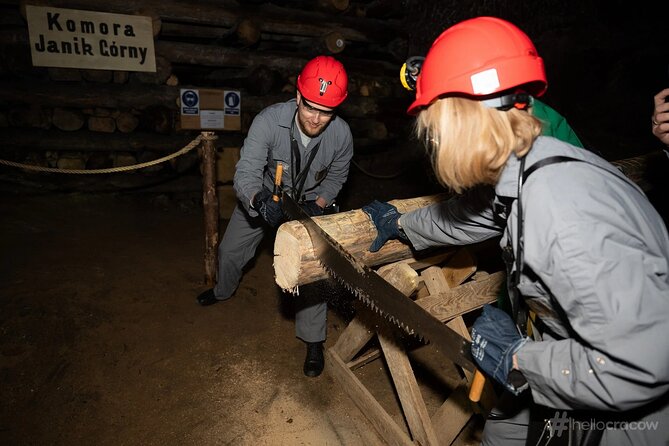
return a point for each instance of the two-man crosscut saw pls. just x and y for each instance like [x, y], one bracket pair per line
[380, 295]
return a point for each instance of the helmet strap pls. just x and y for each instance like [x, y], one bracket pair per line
[506, 102]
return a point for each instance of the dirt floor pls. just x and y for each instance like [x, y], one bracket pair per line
[103, 342]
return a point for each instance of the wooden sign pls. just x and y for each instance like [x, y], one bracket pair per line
[86, 39]
[210, 109]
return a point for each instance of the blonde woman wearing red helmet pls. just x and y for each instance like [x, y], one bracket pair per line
[313, 147]
[585, 250]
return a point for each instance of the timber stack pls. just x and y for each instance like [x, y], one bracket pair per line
[88, 119]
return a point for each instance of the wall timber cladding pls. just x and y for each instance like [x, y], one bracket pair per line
[254, 47]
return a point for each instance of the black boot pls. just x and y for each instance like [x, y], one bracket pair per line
[314, 362]
[207, 298]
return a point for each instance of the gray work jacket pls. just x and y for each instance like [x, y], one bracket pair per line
[595, 271]
[268, 142]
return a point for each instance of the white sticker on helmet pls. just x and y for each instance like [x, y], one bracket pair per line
[485, 82]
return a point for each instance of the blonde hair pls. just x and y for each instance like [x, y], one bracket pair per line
[470, 143]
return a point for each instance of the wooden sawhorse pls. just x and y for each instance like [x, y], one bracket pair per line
[447, 292]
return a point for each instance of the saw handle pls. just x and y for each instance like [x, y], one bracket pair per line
[477, 387]
[277, 181]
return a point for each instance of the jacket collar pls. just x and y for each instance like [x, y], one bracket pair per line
[287, 113]
[507, 185]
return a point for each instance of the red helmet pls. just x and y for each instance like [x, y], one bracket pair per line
[323, 81]
[479, 57]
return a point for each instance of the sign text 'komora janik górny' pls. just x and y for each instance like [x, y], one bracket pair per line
[87, 39]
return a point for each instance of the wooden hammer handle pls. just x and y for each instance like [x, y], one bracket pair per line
[277, 181]
[477, 387]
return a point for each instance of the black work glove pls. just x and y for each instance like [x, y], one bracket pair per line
[312, 208]
[384, 216]
[495, 339]
[269, 209]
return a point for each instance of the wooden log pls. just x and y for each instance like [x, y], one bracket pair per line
[334, 42]
[333, 5]
[156, 22]
[248, 32]
[158, 119]
[160, 76]
[84, 140]
[296, 264]
[191, 31]
[121, 77]
[32, 116]
[210, 206]
[126, 122]
[145, 95]
[172, 81]
[103, 124]
[262, 80]
[270, 18]
[384, 8]
[98, 76]
[217, 56]
[68, 119]
[64, 74]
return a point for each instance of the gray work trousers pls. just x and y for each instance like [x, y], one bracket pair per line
[517, 418]
[238, 246]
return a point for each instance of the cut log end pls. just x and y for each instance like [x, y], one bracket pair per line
[335, 42]
[294, 258]
[287, 264]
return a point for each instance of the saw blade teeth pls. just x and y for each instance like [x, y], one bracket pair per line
[371, 304]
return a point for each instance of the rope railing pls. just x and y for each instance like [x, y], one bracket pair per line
[187, 148]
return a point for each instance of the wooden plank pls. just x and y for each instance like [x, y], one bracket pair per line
[460, 267]
[352, 339]
[358, 332]
[458, 326]
[434, 280]
[386, 427]
[453, 415]
[456, 411]
[411, 399]
[364, 359]
[421, 262]
[463, 299]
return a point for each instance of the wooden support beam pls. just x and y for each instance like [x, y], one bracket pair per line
[464, 298]
[444, 426]
[406, 386]
[210, 206]
[375, 413]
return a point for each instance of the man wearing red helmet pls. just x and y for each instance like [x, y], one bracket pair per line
[586, 252]
[314, 148]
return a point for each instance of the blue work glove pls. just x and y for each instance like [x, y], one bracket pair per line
[312, 208]
[384, 216]
[495, 339]
[269, 209]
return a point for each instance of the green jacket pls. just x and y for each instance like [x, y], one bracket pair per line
[555, 124]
